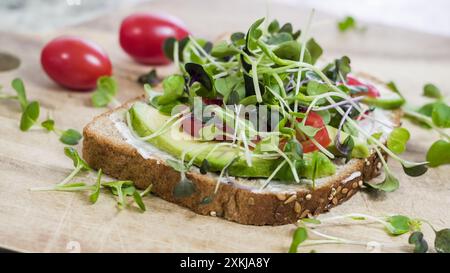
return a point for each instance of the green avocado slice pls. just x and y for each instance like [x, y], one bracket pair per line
[146, 120]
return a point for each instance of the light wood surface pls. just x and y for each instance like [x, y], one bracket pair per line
[63, 222]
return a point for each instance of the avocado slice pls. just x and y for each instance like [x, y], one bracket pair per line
[360, 150]
[146, 120]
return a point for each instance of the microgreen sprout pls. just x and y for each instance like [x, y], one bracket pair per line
[69, 136]
[394, 225]
[269, 65]
[79, 164]
[349, 23]
[105, 92]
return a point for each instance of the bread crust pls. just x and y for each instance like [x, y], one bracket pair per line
[232, 202]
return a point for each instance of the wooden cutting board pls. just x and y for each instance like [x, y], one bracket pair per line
[66, 222]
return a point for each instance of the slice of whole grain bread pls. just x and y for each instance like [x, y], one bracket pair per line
[239, 200]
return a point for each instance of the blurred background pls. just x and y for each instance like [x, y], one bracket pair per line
[429, 16]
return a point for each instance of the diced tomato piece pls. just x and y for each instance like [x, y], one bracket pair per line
[372, 91]
[322, 137]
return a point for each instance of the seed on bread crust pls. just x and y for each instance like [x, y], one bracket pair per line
[290, 199]
[305, 213]
[335, 201]
[308, 196]
[297, 207]
[281, 196]
[344, 190]
[349, 193]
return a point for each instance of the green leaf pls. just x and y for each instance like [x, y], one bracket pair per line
[198, 74]
[300, 235]
[346, 24]
[173, 89]
[105, 92]
[287, 28]
[416, 239]
[138, 199]
[238, 38]
[184, 188]
[177, 165]
[18, 85]
[169, 44]
[274, 26]
[307, 130]
[398, 224]
[340, 67]
[393, 87]
[223, 49]
[291, 50]
[442, 241]
[326, 116]
[293, 149]
[439, 153]
[70, 137]
[441, 115]
[430, 90]
[48, 124]
[415, 170]
[29, 116]
[77, 160]
[389, 184]
[314, 50]
[253, 34]
[315, 88]
[94, 196]
[117, 188]
[225, 85]
[397, 140]
[279, 38]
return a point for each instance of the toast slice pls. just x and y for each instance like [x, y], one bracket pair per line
[108, 147]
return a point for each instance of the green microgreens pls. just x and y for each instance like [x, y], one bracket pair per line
[69, 136]
[349, 23]
[105, 92]
[30, 110]
[394, 225]
[269, 66]
[79, 164]
[432, 91]
[397, 139]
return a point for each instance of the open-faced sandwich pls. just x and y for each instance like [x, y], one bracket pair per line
[255, 129]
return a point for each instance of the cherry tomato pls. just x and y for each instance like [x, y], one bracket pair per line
[142, 36]
[372, 91]
[316, 121]
[75, 63]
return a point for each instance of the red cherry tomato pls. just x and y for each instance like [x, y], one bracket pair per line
[75, 63]
[316, 121]
[142, 36]
[372, 91]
